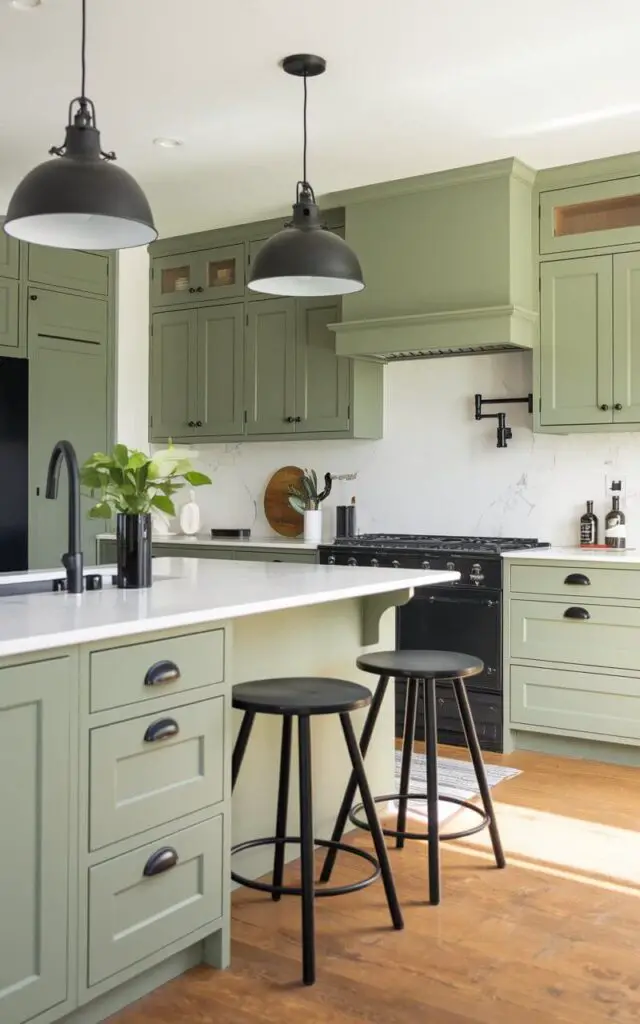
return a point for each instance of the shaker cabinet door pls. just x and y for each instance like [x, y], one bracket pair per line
[173, 376]
[576, 341]
[9, 254]
[9, 316]
[322, 378]
[270, 352]
[35, 757]
[220, 392]
[626, 338]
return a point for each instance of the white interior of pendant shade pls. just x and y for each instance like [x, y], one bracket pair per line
[81, 231]
[305, 286]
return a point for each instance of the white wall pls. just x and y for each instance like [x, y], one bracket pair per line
[436, 469]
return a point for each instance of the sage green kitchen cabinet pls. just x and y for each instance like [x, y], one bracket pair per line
[322, 378]
[576, 341]
[68, 268]
[9, 254]
[626, 337]
[590, 216]
[206, 275]
[10, 318]
[590, 341]
[270, 377]
[173, 374]
[196, 372]
[36, 746]
[220, 357]
[68, 393]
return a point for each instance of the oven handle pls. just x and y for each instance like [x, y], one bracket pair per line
[459, 599]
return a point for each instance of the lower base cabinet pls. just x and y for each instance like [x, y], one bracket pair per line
[165, 549]
[146, 899]
[36, 750]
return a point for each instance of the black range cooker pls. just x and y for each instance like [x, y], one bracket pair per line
[465, 615]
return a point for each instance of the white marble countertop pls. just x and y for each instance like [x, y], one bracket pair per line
[611, 556]
[273, 541]
[187, 591]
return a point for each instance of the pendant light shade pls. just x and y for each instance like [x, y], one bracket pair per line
[80, 199]
[305, 259]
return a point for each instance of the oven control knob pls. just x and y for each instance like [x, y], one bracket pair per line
[375, 563]
[476, 575]
[451, 566]
[331, 560]
[395, 564]
[426, 565]
[351, 561]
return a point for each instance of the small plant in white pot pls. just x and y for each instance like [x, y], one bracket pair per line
[306, 499]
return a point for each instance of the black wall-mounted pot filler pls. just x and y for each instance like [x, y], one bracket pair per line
[504, 433]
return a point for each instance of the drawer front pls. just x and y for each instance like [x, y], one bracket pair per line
[144, 773]
[609, 637]
[275, 556]
[132, 915]
[155, 668]
[578, 581]
[607, 706]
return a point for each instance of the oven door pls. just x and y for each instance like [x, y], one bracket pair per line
[451, 619]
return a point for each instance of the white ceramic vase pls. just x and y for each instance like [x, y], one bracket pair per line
[190, 516]
[313, 525]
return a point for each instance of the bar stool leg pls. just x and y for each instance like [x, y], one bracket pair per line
[241, 745]
[283, 804]
[372, 819]
[350, 792]
[431, 750]
[473, 744]
[306, 852]
[410, 714]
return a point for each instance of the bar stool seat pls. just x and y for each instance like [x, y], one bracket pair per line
[421, 670]
[303, 698]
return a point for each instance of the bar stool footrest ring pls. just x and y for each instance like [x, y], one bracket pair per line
[394, 833]
[295, 890]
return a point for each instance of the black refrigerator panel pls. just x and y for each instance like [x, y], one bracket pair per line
[14, 464]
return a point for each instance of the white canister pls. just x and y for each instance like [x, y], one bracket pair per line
[313, 525]
[190, 516]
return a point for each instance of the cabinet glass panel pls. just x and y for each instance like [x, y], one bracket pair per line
[175, 279]
[221, 273]
[602, 215]
[599, 214]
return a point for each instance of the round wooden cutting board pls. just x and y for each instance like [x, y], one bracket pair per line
[280, 516]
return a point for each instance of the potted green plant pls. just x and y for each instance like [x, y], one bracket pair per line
[129, 484]
[306, 499]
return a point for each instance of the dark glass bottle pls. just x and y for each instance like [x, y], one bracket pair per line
[588, 526]
[615, 526]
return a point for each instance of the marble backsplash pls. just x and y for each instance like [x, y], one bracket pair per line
[438, 470]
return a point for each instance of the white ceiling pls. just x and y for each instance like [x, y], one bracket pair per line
[412, 86]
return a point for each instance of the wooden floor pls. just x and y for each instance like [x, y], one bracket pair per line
[553, 938]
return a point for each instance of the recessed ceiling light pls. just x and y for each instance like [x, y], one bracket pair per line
[25, 5]
[167, 143]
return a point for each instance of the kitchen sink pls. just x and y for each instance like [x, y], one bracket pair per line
[59, 584]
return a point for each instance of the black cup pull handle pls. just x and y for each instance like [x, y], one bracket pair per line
[161, 860]
[162, 672]
[577, 613]
[163, 729]
[577, 579]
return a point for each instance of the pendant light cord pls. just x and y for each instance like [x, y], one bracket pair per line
[304, 134]
[84, 50]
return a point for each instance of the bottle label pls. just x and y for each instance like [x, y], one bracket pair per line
[615, 530]
[587, 533]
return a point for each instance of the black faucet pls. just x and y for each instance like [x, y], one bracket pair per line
[72, 560]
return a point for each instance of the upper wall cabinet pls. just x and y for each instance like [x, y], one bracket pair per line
[67, 268]
[590, 342]
[9, 254]
[208, 275]
[9, 315]
[604, 213]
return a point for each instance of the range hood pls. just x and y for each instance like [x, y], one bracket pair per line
[448, 265]
[434, 335]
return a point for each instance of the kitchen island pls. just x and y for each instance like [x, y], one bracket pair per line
[115, 749]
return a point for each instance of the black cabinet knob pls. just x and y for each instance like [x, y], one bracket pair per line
[198, 423]
[191, 291]
[604, 407]
[298, 419]
[191, 423]
[289, 419]
[199, 288]
[618, 405]
[33, 298]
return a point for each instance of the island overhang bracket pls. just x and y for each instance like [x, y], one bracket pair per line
[374, 606]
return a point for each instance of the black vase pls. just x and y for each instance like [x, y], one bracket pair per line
[133, 550]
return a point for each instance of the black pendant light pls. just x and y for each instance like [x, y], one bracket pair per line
[304, 259]
[81, 199]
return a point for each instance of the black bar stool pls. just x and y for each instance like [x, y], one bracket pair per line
[302, 698]
[422, 669]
